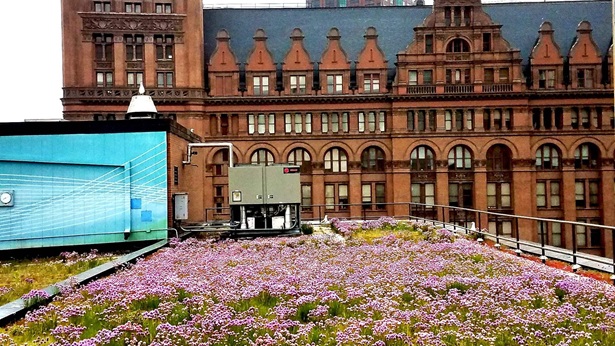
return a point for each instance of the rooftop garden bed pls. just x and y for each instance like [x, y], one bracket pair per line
[384, 284]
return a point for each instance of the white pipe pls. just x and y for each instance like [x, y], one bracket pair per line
[214, 144]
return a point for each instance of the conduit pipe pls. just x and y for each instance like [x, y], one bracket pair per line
[214, 144]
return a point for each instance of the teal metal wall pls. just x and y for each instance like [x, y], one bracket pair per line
[80, 189]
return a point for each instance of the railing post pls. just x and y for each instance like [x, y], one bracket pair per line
[478, 221]
[518, 251]
[574, 244]
[443, 217]
[613, 253]
[543, 258]
[497, 232]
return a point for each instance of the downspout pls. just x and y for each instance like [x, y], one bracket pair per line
[214, 144]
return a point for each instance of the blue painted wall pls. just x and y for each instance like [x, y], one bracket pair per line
[80, 189]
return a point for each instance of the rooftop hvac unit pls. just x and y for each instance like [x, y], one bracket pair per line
[265, 199]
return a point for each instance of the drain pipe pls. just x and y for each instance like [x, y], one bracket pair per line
[230, 164]
[213, 144]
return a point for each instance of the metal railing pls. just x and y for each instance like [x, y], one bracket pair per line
[455, 218]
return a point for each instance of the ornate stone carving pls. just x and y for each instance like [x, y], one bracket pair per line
[401, 164]
[440, 37]
[460, 176]
[441, 163]
[118, 39]
[354, 165]
[179, 39]
[165, 65]
[423, 176]
[134, 65]
[523, 162]
[86, 37]
[115, 94]
[104, 65]
[318, 165]
[133, 22]
[480, 163]
[607, 162]
[568, 162]
[499, 176]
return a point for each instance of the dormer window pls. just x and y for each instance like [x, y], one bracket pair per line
[458, 45]
[585, 78]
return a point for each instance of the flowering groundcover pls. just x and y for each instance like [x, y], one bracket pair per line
[329, 290]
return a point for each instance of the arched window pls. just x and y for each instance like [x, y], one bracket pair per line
[336, 160]
[422, 159]
[547, 157]
[458, 45]
[586, 155]
[301, 157]
[460, 158]
[262, 157]
[372, 159]
[220, 162]
[499, 158]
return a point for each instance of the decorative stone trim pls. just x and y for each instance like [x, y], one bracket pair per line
[126, 23]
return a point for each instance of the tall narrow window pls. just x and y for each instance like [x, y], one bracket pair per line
[288, 125]
[366, 196]
[371, 121]
[345, 122]
[103, 47]
[324, 122]
[271, 123]
[486, 42]
[427, 77]
[308, 122]
[134, 47]
[335, 122]
[585, 78]
[306, 197]
[164, 47]
[251, 124]
[298, 123]
[429, 43]
[261, 123]
[361, 122]
[412, 77]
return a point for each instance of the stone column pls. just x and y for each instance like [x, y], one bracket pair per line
[442, 188]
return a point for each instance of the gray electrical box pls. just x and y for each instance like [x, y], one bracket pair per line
[180, 202]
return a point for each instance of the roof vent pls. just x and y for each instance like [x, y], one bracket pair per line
[141, 106]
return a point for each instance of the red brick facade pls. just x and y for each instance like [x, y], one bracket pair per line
[458, 125]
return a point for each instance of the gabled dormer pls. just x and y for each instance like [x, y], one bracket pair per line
[297, 68]
[546, 61]
[260, 67]
[458, 49]
[223, 68]
[585, 60]
[371, 66]
[334, 67]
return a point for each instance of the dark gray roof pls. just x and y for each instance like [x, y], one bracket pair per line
[395, 25]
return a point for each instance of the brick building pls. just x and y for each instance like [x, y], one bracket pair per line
[503, 107]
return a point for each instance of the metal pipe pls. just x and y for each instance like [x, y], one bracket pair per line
[213, 144]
